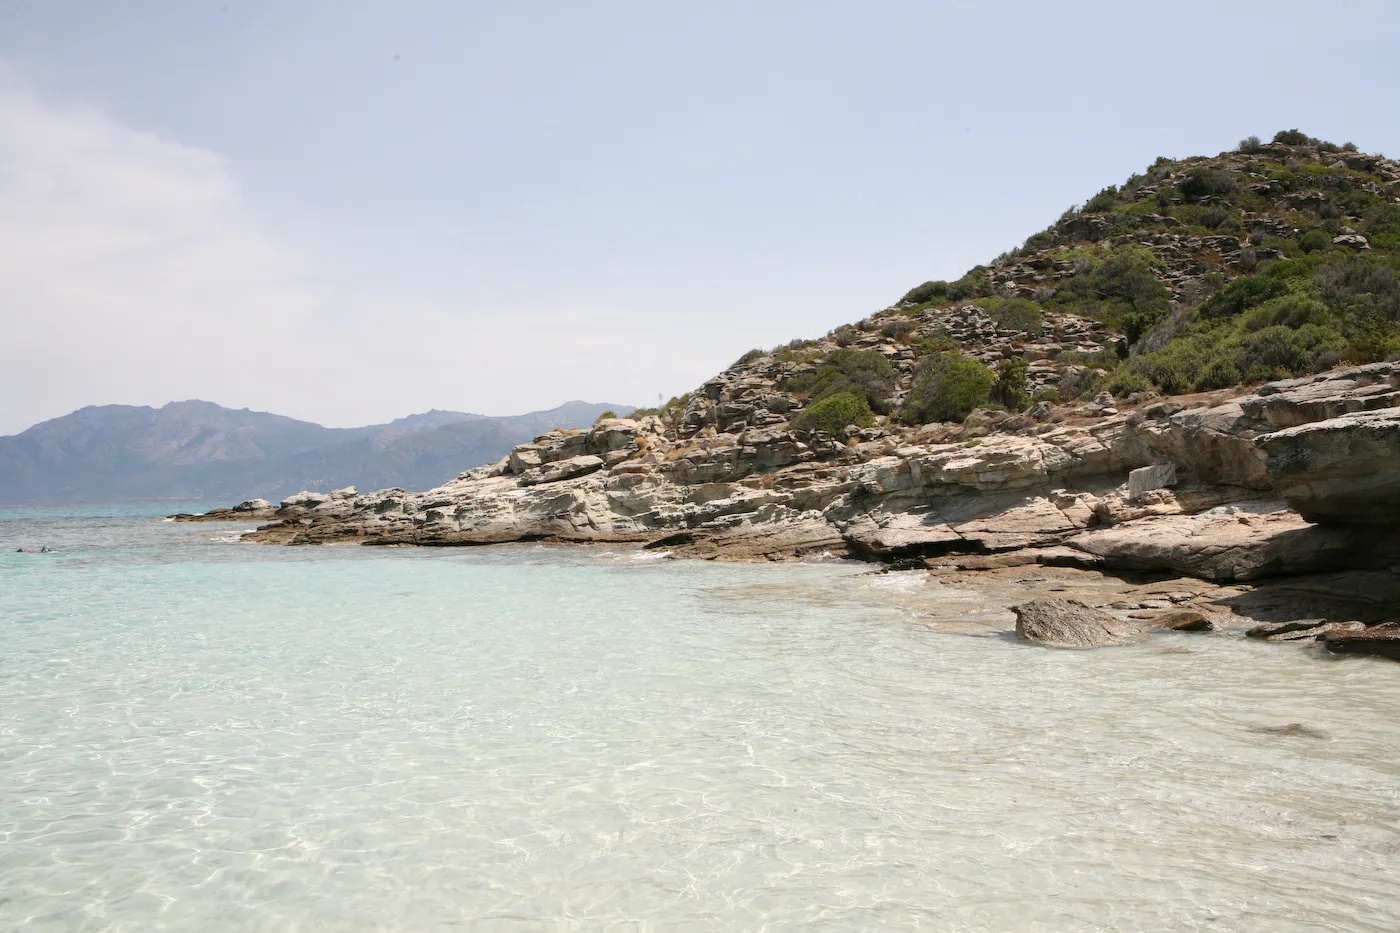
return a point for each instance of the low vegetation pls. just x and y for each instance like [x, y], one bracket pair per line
[947, 387]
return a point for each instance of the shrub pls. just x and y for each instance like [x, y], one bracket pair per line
[1201, 182]
[1315, 240]
[897, 327]
[1125, 381]
[605, 416]
[834, 413]
[1240, 294]
[1103, 202]
[947, 386]
[846, 335]
[1251, 145]
[1215, 216]
[749, 357]
[926, 292]
[1122, 291]
[1017, 314]
[1293, 310]
[866, 372]
[1292, 138]
[1009, 391]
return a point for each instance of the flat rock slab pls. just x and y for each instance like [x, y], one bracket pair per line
[1239, 542]
[1380, 641]
[1069, 623]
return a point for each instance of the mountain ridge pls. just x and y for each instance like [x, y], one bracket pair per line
[195, 449]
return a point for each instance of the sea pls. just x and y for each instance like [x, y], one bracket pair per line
[198, 734]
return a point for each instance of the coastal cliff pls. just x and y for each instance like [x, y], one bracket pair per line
[1090, 400]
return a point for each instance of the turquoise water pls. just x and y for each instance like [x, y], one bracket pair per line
[207, 736]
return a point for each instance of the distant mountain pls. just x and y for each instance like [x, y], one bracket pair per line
[200, 450]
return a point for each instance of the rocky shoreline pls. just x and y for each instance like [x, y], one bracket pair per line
[1287, 495]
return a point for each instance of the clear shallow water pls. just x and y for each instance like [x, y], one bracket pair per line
[197, 735]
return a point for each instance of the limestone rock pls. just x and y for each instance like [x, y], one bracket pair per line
[1246, 541]
[1344, 469]
[253, 505]
[1145, 479]
[1069, 623]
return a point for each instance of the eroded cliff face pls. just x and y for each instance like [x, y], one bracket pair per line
[1217, 487]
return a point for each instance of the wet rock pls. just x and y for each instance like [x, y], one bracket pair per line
[1069, 623]
[1301, 629]
[1380, 641]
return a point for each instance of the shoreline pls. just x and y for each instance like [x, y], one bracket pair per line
[1289, 490]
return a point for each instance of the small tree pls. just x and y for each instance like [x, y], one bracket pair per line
[1009, 391]
[1251, 145]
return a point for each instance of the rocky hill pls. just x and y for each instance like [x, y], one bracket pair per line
[199, 450]
[1091, 399]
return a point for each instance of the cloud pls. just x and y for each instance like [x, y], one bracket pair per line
[133, 270]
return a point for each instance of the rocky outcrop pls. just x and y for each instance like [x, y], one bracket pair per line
[248, 510]
[1069, 623]
[1343, 469]
[1192, 485]
[1239, 542]
[1184, 485]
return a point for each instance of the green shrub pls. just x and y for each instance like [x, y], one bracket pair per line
[1240, 294]
[1315, 240]
[834, 413]
[946, 387]
[1009, 391]
[749, 357]
[1216, 217]
[1103, 202]
[846, 335]
[1201, 182]
[1291, 310]
[1016, 314]
[1122, 290]
[1292, 138]
[605, 416]
[897, 327]
[928, 291]
[1125, 381]
[1251, 145]
[866, 372]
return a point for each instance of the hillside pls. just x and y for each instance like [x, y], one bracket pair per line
[1274, 260]
[200, 450]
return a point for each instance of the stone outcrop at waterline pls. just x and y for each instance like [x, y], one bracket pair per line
[1203, 486]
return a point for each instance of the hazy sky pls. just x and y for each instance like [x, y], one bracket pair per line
[346, 212]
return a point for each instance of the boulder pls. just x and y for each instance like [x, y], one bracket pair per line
[1069, 623]
[1145, 479]
[253, 505]
[1344, 469]
[305, 500]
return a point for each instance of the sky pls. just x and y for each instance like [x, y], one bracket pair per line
[346, 212]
